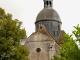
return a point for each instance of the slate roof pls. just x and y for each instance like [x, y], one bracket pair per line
[48, 14]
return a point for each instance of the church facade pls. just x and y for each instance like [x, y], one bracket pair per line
[46, 39]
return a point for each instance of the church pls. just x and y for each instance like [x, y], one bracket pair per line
[46, 39]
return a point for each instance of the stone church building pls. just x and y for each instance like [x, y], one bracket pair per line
[46, 39]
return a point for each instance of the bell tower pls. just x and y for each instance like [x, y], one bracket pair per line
[49, 18]
[44, 42]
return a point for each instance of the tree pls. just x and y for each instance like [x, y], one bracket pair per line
[70, 49]
[10, 36]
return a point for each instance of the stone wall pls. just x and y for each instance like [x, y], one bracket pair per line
[41, 45]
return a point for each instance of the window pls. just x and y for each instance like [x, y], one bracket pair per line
[38, 50]
[58, 27]
[47, 2]
[57, 33]
[40, 27]
[50, 3]
[51, 47]
[53, 33]
[39, 24]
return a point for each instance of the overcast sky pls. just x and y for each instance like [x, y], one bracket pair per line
[27, 11]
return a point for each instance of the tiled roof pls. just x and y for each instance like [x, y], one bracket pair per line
[60, 38]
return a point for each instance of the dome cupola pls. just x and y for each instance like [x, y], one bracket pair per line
[49, 18]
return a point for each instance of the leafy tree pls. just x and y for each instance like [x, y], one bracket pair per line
[10, 37]
[70, 49]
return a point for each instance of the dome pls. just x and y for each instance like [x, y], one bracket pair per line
[48, 14]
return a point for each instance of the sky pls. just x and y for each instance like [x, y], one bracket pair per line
[27, 11]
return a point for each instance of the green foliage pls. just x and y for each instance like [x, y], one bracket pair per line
[69, 49]
[10, 36]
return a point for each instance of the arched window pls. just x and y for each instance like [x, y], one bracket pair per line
[58, 27]
[47, 2]
[50, 3]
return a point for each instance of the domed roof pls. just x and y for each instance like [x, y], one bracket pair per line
[48, 14]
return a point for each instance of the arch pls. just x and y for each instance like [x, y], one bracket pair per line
[50, 3]
[47, 2]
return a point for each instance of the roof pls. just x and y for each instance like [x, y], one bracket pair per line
[48, 14]
[60, 38]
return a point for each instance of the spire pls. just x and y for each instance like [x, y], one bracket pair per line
[48, 3]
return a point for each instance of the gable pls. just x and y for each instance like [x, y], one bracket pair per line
[40, 37]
